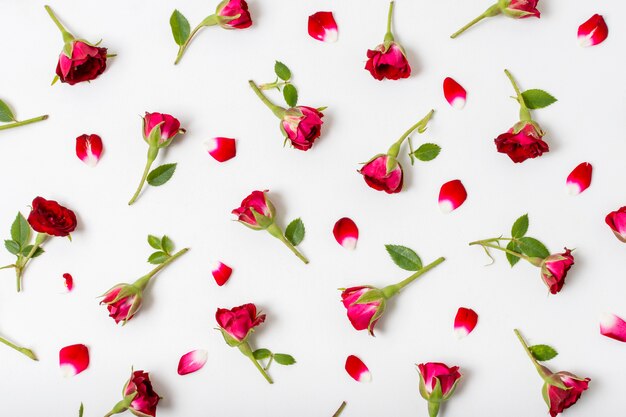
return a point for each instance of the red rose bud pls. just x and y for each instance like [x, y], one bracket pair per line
[554, 270]
[617, 222]
[322, 26]
[168, 127]
[51, 218]
[233, 14]
[377, 176]
[365, 306]
[123, 301]
[613, 326]
[579, 179]
[522, 144]
[139, 396]
[593, 32]
[256, 211]
[520, 9]
[437, 384]
[558, 399]
[302, 125]
[388, 59]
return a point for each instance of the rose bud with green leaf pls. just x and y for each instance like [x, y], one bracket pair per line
[301, 125]
[517, 9]
[47, 218]
[554, 268]
[124, 300]
[257, 212]
[384, 173]
[7, 116]
[159, 129]
[388, 60]
[229, 14]
[561, 389]
[80, 60]
[437, 384]
[524, 139]
[139, 396]
[366, 304]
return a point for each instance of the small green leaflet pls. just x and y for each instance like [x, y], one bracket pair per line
[282, 71]
[26, 250]
[158, 258]
[404, 257]
[180, 27]
[81, 410]
[427, 152]
[295, 232]
[543, 352]
[532, 247]
[155, 242]
[20, 230]
[512, 246]
[12, 246]
[520, 227]
[284, 359]
[161, 175]
[291, 95]
[167, 245]
[261, 354]
[6, 115]
[537, 99]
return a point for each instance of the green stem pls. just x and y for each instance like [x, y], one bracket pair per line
[21, 264]
[67, 37]
[153, 151]
[524, 113]
[24, 122]
[208, 21]
[389, 34]
[340, 409]
[275, 231]
[391, 290]
[122, 405]
[433, 408]
[142, 282]
[541, 369]
[23, 351]
[271, 86]
[269, 362]
[277, 110]
[247, 351]
[394, 149]
[490, 12]
[484, 243]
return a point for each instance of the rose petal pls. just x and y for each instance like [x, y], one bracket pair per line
[73, 359]
[221, 149]
[579, 179]
[357, 369]
[322, 26]
[454, 93]
[593, 32]
[192, 361]
[221, 272]
[69, 281]
[346, 233]
[451, 196]
[465, 321]
[613, 326]
[89, 149]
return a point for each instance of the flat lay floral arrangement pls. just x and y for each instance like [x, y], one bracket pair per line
[443, 221]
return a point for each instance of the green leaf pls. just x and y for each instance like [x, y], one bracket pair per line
[537, 99]
[26, 250]
[543, 352]
[295, 232]
[284, 359]
[161, 175]
[180, 27]
[155, 242]
[20, 230]
[427, 152]
[167, 244]
[512, 258]
[81, 410]
[12, 246]
[404, 257]
[291, 95]
[520, 227]
[6, 115]
[261, 354]
[158, 258]
[532, 247]
[282, 71]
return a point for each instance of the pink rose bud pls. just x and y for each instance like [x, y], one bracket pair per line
[363, 314]
[146, 401]
[302, 125]
[233, 14]
[554, 270]
[377, 176]
[593, 32]
[451, 196]
[559, 399]
[617, 222]
[437, 384]
[346, 233]
[613, 326]
[357, 369]
[123, 301]
[465, 321]
[579, 179]
[169, 127]
[89, 149]
[256, 211]
[73, 359]
[238, 323]
[520, 9]
[322, 26]
[192, 361]
[522, 142]
[454, 93]
[221, 149]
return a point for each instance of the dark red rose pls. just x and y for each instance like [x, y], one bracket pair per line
[560, 399]
[521, 9]
[376, 176]
[554, 270]
[303, 125]
[86, 63]
[234, 8]
[525, 144]
[50, 217]
[146, 400]
[390, 63]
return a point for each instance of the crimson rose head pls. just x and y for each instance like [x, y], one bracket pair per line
[376, 174]
[302, 125]
[86, 63]
[520, 9]
[123, 301]
[48, 216]
[168, 125]
[437, 379]
[146, 399]
[237, 323]
[388, 62]
[559, 399]
[363, 314]
[554, 270]
[256, 211]
[522, 143]
[617, 222]
[236, 14]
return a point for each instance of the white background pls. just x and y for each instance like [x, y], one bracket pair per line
[209, 93]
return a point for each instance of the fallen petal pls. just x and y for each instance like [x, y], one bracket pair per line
[613, 326]
[451, 196]
[579, 179]
[192, 361]
[73, 359]
[465, 321]
[454, 93]
[346, 233]
[322, 26]
[89, 149]
[221, 272]
[221, 149]
[69, 281]
[593, 31]
[357, 369]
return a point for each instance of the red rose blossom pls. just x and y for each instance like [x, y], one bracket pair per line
[86, 64]
[559, 399]
[302, 125]
[554, 270]
[388, 62]
[238, 322]
[170, 126]
[617, 222]
[49, 217]
[233, 8]
[362, 315]
[146, 401]
[258, 202]
[432, 373]
[376, 176]
[521, 9]
[524, 144]
[125, 307]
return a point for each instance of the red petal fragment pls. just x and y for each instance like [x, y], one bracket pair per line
[346, 233]
[593, 32]
[579, 179]
[69, 281]
[451, 196]
[613, 326]
[322, 26]
[73, 359]
[192, 361]
[465, 321]
[357, 369]
[221, 149]
[89, 149]
[454, 93]
[221, 272]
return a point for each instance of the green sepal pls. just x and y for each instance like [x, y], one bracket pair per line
[231, 341]
[371, 295]
[392, 164]
[379, 312]
[154, 136]
[263, 222]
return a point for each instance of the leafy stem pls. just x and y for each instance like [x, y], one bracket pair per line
[275, 231]
[277, 110]
[142, 282]
[391, 290]
[22, 261]
[67, 36]
[24, 122]
[524, 113]
[394, 150]
[247, 351]
[22, 350]
[153, 151]
[208, 21]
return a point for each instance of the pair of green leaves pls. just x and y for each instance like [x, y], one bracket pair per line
[543, 352]
[521, 243]
[20, 238]
[6, 114]
[180, 27]
[279, 358]
[161, 174]
[164, 247]
[295, 232]
[290, 93]
[404, 257]
[537, 99]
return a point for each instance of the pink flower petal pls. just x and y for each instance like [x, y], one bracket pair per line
[322, 26]
[73, 359]
[221, 272]
[579, 179]
[346, 233]
[465, 321]
[451, 196]
[613, 326]
[593, 32]
[454, 93]
[357, 369]
[192, 361]
[69, 281]
[89, 149]
[221, 149]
